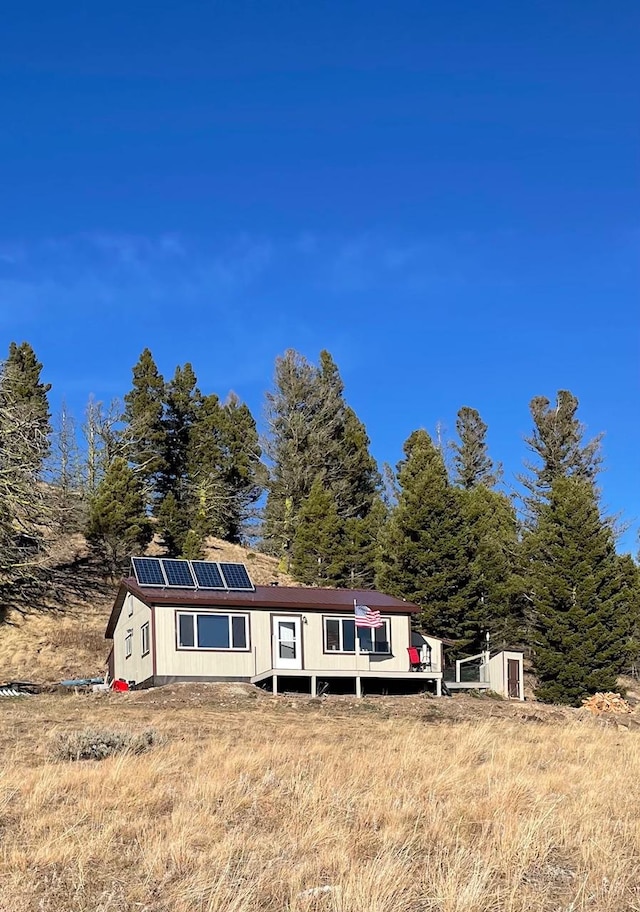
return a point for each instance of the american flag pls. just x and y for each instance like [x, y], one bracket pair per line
[365, 617]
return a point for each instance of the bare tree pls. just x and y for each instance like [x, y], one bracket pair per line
[105, 440]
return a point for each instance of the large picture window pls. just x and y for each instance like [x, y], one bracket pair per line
[340, 636]
[213, 631]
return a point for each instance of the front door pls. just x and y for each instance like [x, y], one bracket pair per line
[513, 678]
[287, 652]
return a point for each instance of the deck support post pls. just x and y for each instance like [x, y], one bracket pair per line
[438, 687]
[314, 685]
[275, 685]
[358, 686]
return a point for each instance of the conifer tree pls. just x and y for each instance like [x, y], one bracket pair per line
[118, 524]
[243, 473]
[314, 434]
[496, 586]
[315, 559]
[174, 510]
[472, 462]
[143, 414]
[21, 377]
[557, 441]
[579, 596]
[24, 445]
[426, 545]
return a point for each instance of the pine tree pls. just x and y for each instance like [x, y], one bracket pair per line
[146, 432]
[472, 462]
[557, 441]
[292, 413]
[314, 546]
[426, 545]
[24, 445]
[243, 474]
[118, 524]
[21, 377]
[496, 588]
[209, 500]
[181, 402]
[579, 596]
[315, 434]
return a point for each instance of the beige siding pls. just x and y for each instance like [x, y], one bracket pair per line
[171, 661]
[496, 671]
[174, 662]
[315, 659]
[134, 616]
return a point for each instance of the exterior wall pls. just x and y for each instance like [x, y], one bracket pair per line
[134, 615]
[172, 662]
[223, 663]
[496, 672]
[316, 659]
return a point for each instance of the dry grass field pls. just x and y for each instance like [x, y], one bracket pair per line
[254, 803]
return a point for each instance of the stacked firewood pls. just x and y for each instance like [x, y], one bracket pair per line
[599, 703]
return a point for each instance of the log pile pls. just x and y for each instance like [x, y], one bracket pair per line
[599, 703]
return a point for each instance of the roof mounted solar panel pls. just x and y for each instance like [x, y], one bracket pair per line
[148, 571]
[236, 577]
[178, 573]
[207, 574]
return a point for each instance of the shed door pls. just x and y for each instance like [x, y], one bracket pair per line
[513, 678]
[287, 652]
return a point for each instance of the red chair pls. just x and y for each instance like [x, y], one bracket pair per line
[415, 662]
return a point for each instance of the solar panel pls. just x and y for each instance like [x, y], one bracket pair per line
[207, 575]
[178, 573]
[148, 571]
[236, 576]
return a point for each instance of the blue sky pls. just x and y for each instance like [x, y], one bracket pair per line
[444, 195]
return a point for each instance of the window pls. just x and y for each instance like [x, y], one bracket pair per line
[145, 639]
[130, 601]
[340, 636]
[213, 631]
[128, 644]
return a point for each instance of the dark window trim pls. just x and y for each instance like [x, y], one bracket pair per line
[195, 612]
[350, 652]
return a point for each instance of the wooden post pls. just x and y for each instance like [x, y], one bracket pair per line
[314, 686]
[438, 687]
[358, 686]
[275, 685]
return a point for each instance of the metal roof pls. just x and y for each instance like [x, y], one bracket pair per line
[270, 598]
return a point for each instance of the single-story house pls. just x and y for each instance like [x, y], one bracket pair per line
[179, 621]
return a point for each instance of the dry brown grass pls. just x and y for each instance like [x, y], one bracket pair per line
[251, 804]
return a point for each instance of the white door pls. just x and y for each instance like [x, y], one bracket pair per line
[287, 652]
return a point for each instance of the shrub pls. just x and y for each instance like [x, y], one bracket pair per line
[98, 745]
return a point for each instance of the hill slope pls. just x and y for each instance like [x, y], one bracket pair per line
[64, 637]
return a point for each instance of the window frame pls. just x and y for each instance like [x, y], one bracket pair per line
[145, 633]
[128, 643]
[229, 615]
[341, 618]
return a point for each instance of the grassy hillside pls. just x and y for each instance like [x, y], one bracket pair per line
[63, 636]
[256, 803]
